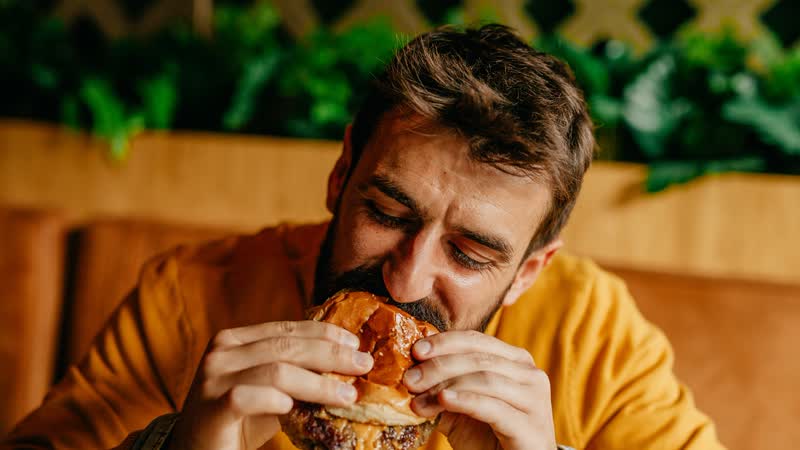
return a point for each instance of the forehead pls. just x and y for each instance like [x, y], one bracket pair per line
[432, 164]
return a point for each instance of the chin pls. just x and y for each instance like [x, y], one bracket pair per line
[381, 417]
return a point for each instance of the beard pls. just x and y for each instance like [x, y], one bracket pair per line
[369, 278]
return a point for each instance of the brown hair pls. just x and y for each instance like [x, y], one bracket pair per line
[519, 108]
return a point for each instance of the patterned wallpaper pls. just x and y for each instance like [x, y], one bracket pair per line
[588, 22]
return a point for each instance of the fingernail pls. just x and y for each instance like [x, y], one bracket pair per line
[422, 347]
[352, 341]
[346, 392]
[362, 359]
[413, 375]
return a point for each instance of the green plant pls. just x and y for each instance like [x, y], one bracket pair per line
[697, 105]
[693, 105]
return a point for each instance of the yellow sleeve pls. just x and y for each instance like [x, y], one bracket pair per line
[137, 369]
[626, 394]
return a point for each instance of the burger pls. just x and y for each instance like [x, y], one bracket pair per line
[381, 417]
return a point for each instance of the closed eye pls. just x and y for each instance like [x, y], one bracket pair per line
[387, 220]
[466, 261]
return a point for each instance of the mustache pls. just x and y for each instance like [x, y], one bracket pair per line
[369, 278]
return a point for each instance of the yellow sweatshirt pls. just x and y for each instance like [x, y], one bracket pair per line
[610, 370]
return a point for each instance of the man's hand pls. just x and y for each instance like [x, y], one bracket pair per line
[491, 393]
[251, 375]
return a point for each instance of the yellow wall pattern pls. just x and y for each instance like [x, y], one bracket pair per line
[591, 21]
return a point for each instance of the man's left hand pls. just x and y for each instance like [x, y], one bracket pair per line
[491, 394]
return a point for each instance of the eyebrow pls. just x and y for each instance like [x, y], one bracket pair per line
[393, 190]
[496, 243]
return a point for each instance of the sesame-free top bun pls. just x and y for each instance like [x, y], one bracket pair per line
[381, 417]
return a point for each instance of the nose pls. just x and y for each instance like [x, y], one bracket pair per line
[410, 272]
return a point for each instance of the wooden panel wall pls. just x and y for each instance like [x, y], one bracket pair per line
[745, 226]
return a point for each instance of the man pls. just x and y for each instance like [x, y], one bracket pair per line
[455, 180]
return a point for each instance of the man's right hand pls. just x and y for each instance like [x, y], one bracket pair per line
[251, 375]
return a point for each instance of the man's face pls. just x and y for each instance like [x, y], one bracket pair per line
[442, 235]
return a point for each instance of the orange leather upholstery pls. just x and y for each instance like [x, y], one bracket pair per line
[110, 255]
[736, 346]
[31, 268]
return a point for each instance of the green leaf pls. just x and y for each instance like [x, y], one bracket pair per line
[119, 142]
[109, 121]
[783, 80]
[662, 174]
[650, 112]
[775, 124]
[454, 16]
[159, 98]
[742, 164]
[605, 110]
[369, 46]
[329, 112]
[721, 51]
[590, 72]
[255, 77]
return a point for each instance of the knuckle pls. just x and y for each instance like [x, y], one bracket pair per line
[234, 400]
[327, 386]
[212, 363]
[433, 365]
[474, 337]
[288, 328]
[467, 400]
[223, 338]
[284, 346]
[540, 378]
[276, 373]
[341, 354]
[486, 378]
[332, 390]
[526, 356]
[331, 333]
[485, 360]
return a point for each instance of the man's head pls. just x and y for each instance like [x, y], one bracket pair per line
[456, 177]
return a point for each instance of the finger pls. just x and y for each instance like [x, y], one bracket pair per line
[306, 329]
[296, 382]
[501, 416]
[250, 400]
[310, 353]
[452, 342]
[425, 375]
[484, 383]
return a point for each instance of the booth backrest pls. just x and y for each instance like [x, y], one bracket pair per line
[31, 271]
[109, 256]
[736, 344]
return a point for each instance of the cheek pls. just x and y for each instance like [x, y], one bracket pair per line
[470, 296]
[359, 241]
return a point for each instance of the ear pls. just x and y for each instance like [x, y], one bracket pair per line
[529, 271]
[338, 176]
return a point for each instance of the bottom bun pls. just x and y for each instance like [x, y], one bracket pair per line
[310, 427]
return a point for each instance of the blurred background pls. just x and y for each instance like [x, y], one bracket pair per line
[130, 126]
